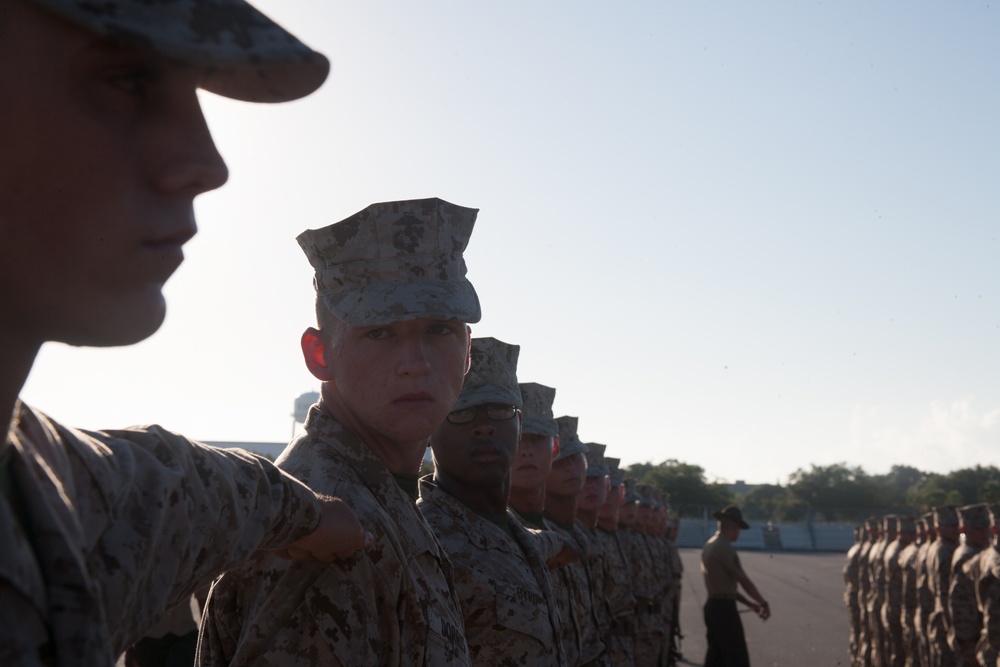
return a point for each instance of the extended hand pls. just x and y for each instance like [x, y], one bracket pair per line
[339, 535]
[764, 611]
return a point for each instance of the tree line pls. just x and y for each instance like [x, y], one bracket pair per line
[836, 492]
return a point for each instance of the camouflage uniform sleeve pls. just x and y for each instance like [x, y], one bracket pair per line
[163, 516]
[988, 596]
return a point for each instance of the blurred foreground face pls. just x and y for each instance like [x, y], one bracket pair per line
[567, 476]
[104, 150]
[397, 381]
[479, 452]
[533, 461]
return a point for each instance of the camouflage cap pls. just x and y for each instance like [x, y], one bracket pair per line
[907, 524]
[492, 377]
[946, 515]
[614, 472]
[995, 514]
[974, 516]
[249, 56]
[569, 441]
[537, 410]
[872, 523]
[394, 261]
[645, 495]
[631, 495]
[596, 467]
[890, 522]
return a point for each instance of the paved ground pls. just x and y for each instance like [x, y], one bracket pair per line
[808, 624]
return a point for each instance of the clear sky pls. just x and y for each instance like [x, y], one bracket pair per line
[749, 236]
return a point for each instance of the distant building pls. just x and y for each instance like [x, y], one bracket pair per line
[741, 488]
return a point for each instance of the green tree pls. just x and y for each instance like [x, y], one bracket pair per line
[837, 490]
[686, 483]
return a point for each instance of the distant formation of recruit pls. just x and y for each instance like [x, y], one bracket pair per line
[925, 592]
[524, 547]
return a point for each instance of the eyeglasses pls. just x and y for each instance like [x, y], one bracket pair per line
[498, 412]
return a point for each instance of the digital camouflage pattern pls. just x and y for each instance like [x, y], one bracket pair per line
[123, 525]
[988, 598]
[569, 441]
[620, 597]
[395, 261]
[596, 465]
[599, 567]
[925, 598]
[249, 56]
[492, 376]
[576, 581]
[910, 607]
[537, 416]
[892, 606]
[501, 581]
[939, 557]
[392, 604]
[851, 573]
[647, 641]
[966, 621]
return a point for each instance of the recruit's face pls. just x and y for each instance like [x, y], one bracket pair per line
[479, 452]
[533, 461]
[595, 491]
[104, 149]
[567, 476]
[398, 381]
[613, 502]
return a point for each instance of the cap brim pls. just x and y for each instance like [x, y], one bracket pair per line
[719, 516]
[249, 57]
[571, 449]
[382, 303]
[483, 394]
[537, 426]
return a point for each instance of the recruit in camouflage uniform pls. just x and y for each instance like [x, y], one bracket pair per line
[393, 267]
[500, 577]
[658, 530]
[988, 596]
[562, 490]
[677, 572]
[645, 646]
[911, 604]
[588, 507]
[925, 597]
[851, 571]
[618, 585]
[864, 590]
[966, 621]
[939, 558]
[892, 608]
[101, 532]
[650, 615]
[876, 559]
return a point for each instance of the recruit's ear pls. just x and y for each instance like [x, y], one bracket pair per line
[314, 353]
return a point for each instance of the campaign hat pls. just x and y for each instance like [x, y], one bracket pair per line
[731, 513]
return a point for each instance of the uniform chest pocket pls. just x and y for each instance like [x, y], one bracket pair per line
[445, 642]
[524, 610]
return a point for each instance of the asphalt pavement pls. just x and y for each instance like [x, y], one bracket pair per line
[808, 625]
